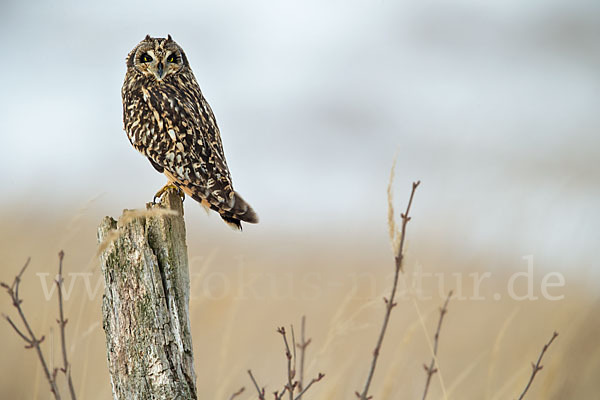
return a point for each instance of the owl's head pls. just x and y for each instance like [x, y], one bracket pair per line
[157, 58]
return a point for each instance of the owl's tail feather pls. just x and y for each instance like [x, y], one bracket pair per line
[234, 223]
[242, 210]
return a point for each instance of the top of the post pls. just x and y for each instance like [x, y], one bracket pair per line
[170, 200]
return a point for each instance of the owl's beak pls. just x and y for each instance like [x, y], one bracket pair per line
[159, 70]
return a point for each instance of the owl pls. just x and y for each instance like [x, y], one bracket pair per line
[168, 120]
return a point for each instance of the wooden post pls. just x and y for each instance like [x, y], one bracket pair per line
[145, 306]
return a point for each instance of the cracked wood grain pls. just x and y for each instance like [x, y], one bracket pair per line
[145, 306]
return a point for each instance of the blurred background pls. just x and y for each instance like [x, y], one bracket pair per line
[492, 105]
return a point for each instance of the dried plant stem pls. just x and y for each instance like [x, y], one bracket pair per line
[302, 346]
[61, 323]
[291, 386]
[29, 337]
[236, 394]
[290, 370]
[431, 369]
[261, 391]
[314, 380]
[389, 303]
[537, 366]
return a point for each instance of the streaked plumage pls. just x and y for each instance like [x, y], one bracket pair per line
[168, 120]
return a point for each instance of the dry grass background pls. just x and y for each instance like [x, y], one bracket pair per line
[244, 286]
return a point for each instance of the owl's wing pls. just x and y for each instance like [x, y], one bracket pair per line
[175, 129]
[208, 128]
[190, 150]
[230, 204]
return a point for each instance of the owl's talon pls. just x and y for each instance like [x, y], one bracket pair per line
[164, 189]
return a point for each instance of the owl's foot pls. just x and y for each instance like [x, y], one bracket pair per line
[164, 189]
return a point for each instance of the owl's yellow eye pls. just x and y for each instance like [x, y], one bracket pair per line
[172, 58]
[145, 58]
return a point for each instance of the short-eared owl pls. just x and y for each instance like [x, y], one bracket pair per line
[168, 120]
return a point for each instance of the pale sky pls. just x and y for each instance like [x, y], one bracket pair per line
[493, 105]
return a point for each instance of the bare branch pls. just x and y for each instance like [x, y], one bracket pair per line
[25, 338]
[389, 302]
[290, 370]
[302, 346]
[537, 366]
[62, 322]
[314, 380]
[261, 392]
[236, 394]
[431, 369]
[28, 336]
[294, 347]
[291, 386]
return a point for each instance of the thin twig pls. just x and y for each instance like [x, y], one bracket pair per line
[25, 338]
[314, 380]
[290, 386]
[29, 337]
[302, 346]
[431, 369]
[290, 370]
[61, 323]
[279, 395]
[236, 394]
[294, 347]
[389, 303]
[537, 366]
[261, 392]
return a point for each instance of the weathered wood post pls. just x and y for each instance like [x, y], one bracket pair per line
[145, 305]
